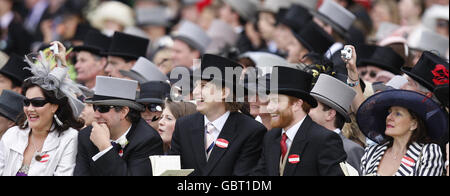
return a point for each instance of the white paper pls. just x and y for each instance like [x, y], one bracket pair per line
[168, 166]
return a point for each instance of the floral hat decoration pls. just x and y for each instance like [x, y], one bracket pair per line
[50, 75]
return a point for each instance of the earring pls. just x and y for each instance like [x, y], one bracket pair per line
[57, 120]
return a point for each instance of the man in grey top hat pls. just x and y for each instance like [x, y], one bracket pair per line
[334, 99]
[190, 42]
[120, 141]
[11, 106]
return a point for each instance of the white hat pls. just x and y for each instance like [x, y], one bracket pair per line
[434, 13]
[112, 10]
[193, 35]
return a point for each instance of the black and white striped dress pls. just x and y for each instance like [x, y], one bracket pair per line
[432, 163]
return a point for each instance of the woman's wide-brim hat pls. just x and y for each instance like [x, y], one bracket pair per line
[372, 114]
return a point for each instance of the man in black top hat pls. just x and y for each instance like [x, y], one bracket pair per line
[297, 146]
[123, 53]
[91, 59]
[12, 74]
[218, 140]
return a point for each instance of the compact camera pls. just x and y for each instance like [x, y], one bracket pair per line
[347, 53]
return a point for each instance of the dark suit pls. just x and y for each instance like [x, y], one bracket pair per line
[320, 152]
[243, 133]
[144, 141]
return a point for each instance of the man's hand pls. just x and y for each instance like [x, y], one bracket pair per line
[351, 64]
[100, 136]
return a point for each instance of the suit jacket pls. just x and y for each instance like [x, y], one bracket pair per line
[243, 134]
[431, 162]
[320, 151]
[143, 140]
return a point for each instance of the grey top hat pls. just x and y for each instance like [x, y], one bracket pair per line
[11, 105]
[335, 94]
[144, 71]
[424, 39]
[155, 16]
[115, 92]
[335, 15]
[246, 9]
[308, 4]
[222, 34]
[193, 35]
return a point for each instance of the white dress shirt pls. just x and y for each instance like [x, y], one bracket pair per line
[218, 124]
[292, 132]
[100, 154]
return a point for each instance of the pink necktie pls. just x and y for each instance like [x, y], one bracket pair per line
[209, 144]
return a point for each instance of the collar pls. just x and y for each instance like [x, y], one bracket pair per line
[293, 130]
[6, 20]
[220, 122]
[338, 131]
[122, 140]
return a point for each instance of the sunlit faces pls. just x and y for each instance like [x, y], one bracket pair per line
[280, 110]
[318, 114]
[208, 96]
[258, 105]
[39, 118]
[399, 122]
[182, 54]
[166, 125]
[88, 66]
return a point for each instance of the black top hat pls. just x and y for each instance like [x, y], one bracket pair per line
[430, 71]
[293, 82]
[212, 65]
[11, 105]
[296, 18]
[441, 93]
[154, 92]
[14, 70]
[383, 57]
[314, 38]
[95, 42]
[128, 46]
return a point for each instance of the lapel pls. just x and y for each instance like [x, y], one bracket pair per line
[410, 161]
[197, 137]
[228, 133]
[131, 135]
[298, 146]
[273, 153]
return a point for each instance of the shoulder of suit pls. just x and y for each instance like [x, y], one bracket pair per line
[189, 118]
[13, 134]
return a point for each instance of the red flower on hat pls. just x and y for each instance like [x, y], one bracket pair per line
[440, 73]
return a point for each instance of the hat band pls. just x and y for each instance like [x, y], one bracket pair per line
[105, 98]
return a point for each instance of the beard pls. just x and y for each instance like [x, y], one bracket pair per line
[285, 118]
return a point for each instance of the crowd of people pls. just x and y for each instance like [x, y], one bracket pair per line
[232, 87]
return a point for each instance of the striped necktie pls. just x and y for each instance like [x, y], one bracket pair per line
[209, 143]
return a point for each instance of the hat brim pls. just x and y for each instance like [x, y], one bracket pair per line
[407, 71]
[117, 102]
[333, 105]
[297, 94]
[336, 27]
[134, 76]
[150, 100]
[7, 114]
[372, 114]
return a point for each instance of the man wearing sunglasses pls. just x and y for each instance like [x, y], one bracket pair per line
[119, 142]
[152, 96]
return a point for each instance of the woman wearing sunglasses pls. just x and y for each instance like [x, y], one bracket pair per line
[45, 142]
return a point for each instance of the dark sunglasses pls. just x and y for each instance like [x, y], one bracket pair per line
[372, 74]
[103, 108]
[154, 107]
[36, 102]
